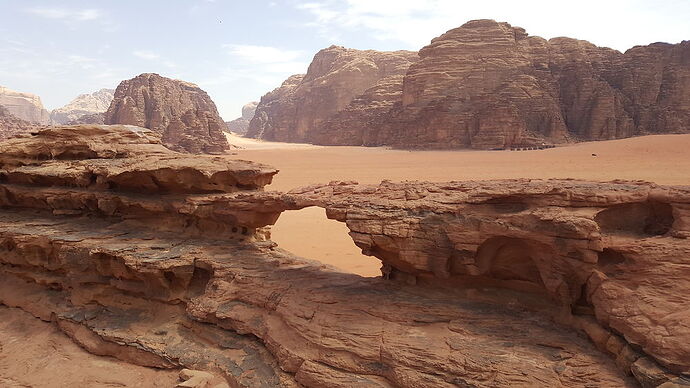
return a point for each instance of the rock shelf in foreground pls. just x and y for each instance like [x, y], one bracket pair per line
[161, 260]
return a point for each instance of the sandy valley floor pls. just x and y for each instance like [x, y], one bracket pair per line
[664, 159]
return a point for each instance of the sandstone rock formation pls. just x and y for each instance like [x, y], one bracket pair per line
[25, 106]
[335, 78]
[85, 104]
[10, 125]
[183, 113]
[489, 85]
[94, 118]
[162, 259]
[610, 254]
[240, 125]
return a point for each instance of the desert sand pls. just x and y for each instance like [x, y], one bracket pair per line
[34, 353]
[663, 159]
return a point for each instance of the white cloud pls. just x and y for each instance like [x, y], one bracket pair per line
[144, 54]
[412, 24]
[262, 54]
[66, 14]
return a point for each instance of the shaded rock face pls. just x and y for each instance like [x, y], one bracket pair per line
[10, 125]
[25, 106]
[185, 115]
[337, 76]
[162, 259]
[489, 85]
[84, 105]
[240, 125]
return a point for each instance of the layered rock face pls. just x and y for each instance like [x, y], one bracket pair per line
[611, 255]
[161, 259]
[84, 105]
[336, 77]
[240, 125]
[489, 85]
[11, 125]
[25, 106]
[183, 113]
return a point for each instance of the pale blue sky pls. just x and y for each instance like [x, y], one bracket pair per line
[238, 50]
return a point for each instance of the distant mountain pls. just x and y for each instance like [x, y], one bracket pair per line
[337, 76]
[25, 106]
[240, 125]
[484, 85]
[84, 104]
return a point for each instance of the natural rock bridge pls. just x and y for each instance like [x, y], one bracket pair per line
[165, 260]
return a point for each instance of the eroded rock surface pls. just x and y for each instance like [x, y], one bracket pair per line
[183, 113]
[162, 259]
[336, 77]
[489, 85]
[91, 104]
[615, 253]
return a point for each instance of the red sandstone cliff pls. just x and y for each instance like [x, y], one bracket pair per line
[336, 77]
[491, 85]
[183, 113]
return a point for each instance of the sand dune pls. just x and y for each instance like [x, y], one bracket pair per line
[664, 159]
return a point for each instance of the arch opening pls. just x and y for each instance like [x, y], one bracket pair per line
[310, 234]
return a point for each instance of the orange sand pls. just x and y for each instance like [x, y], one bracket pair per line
[664, 159]
[34, 353]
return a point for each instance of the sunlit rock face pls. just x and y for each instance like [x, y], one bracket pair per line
[337, 76]
[184, 114]
[487, 85]
[84, 105]
[491, 85]
[25, 106]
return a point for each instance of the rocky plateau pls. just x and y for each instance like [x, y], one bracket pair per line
[164, 260]
[484, 85]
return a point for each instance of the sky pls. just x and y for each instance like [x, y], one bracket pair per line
[238, 50]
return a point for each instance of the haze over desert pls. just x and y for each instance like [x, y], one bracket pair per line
[344, 193]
